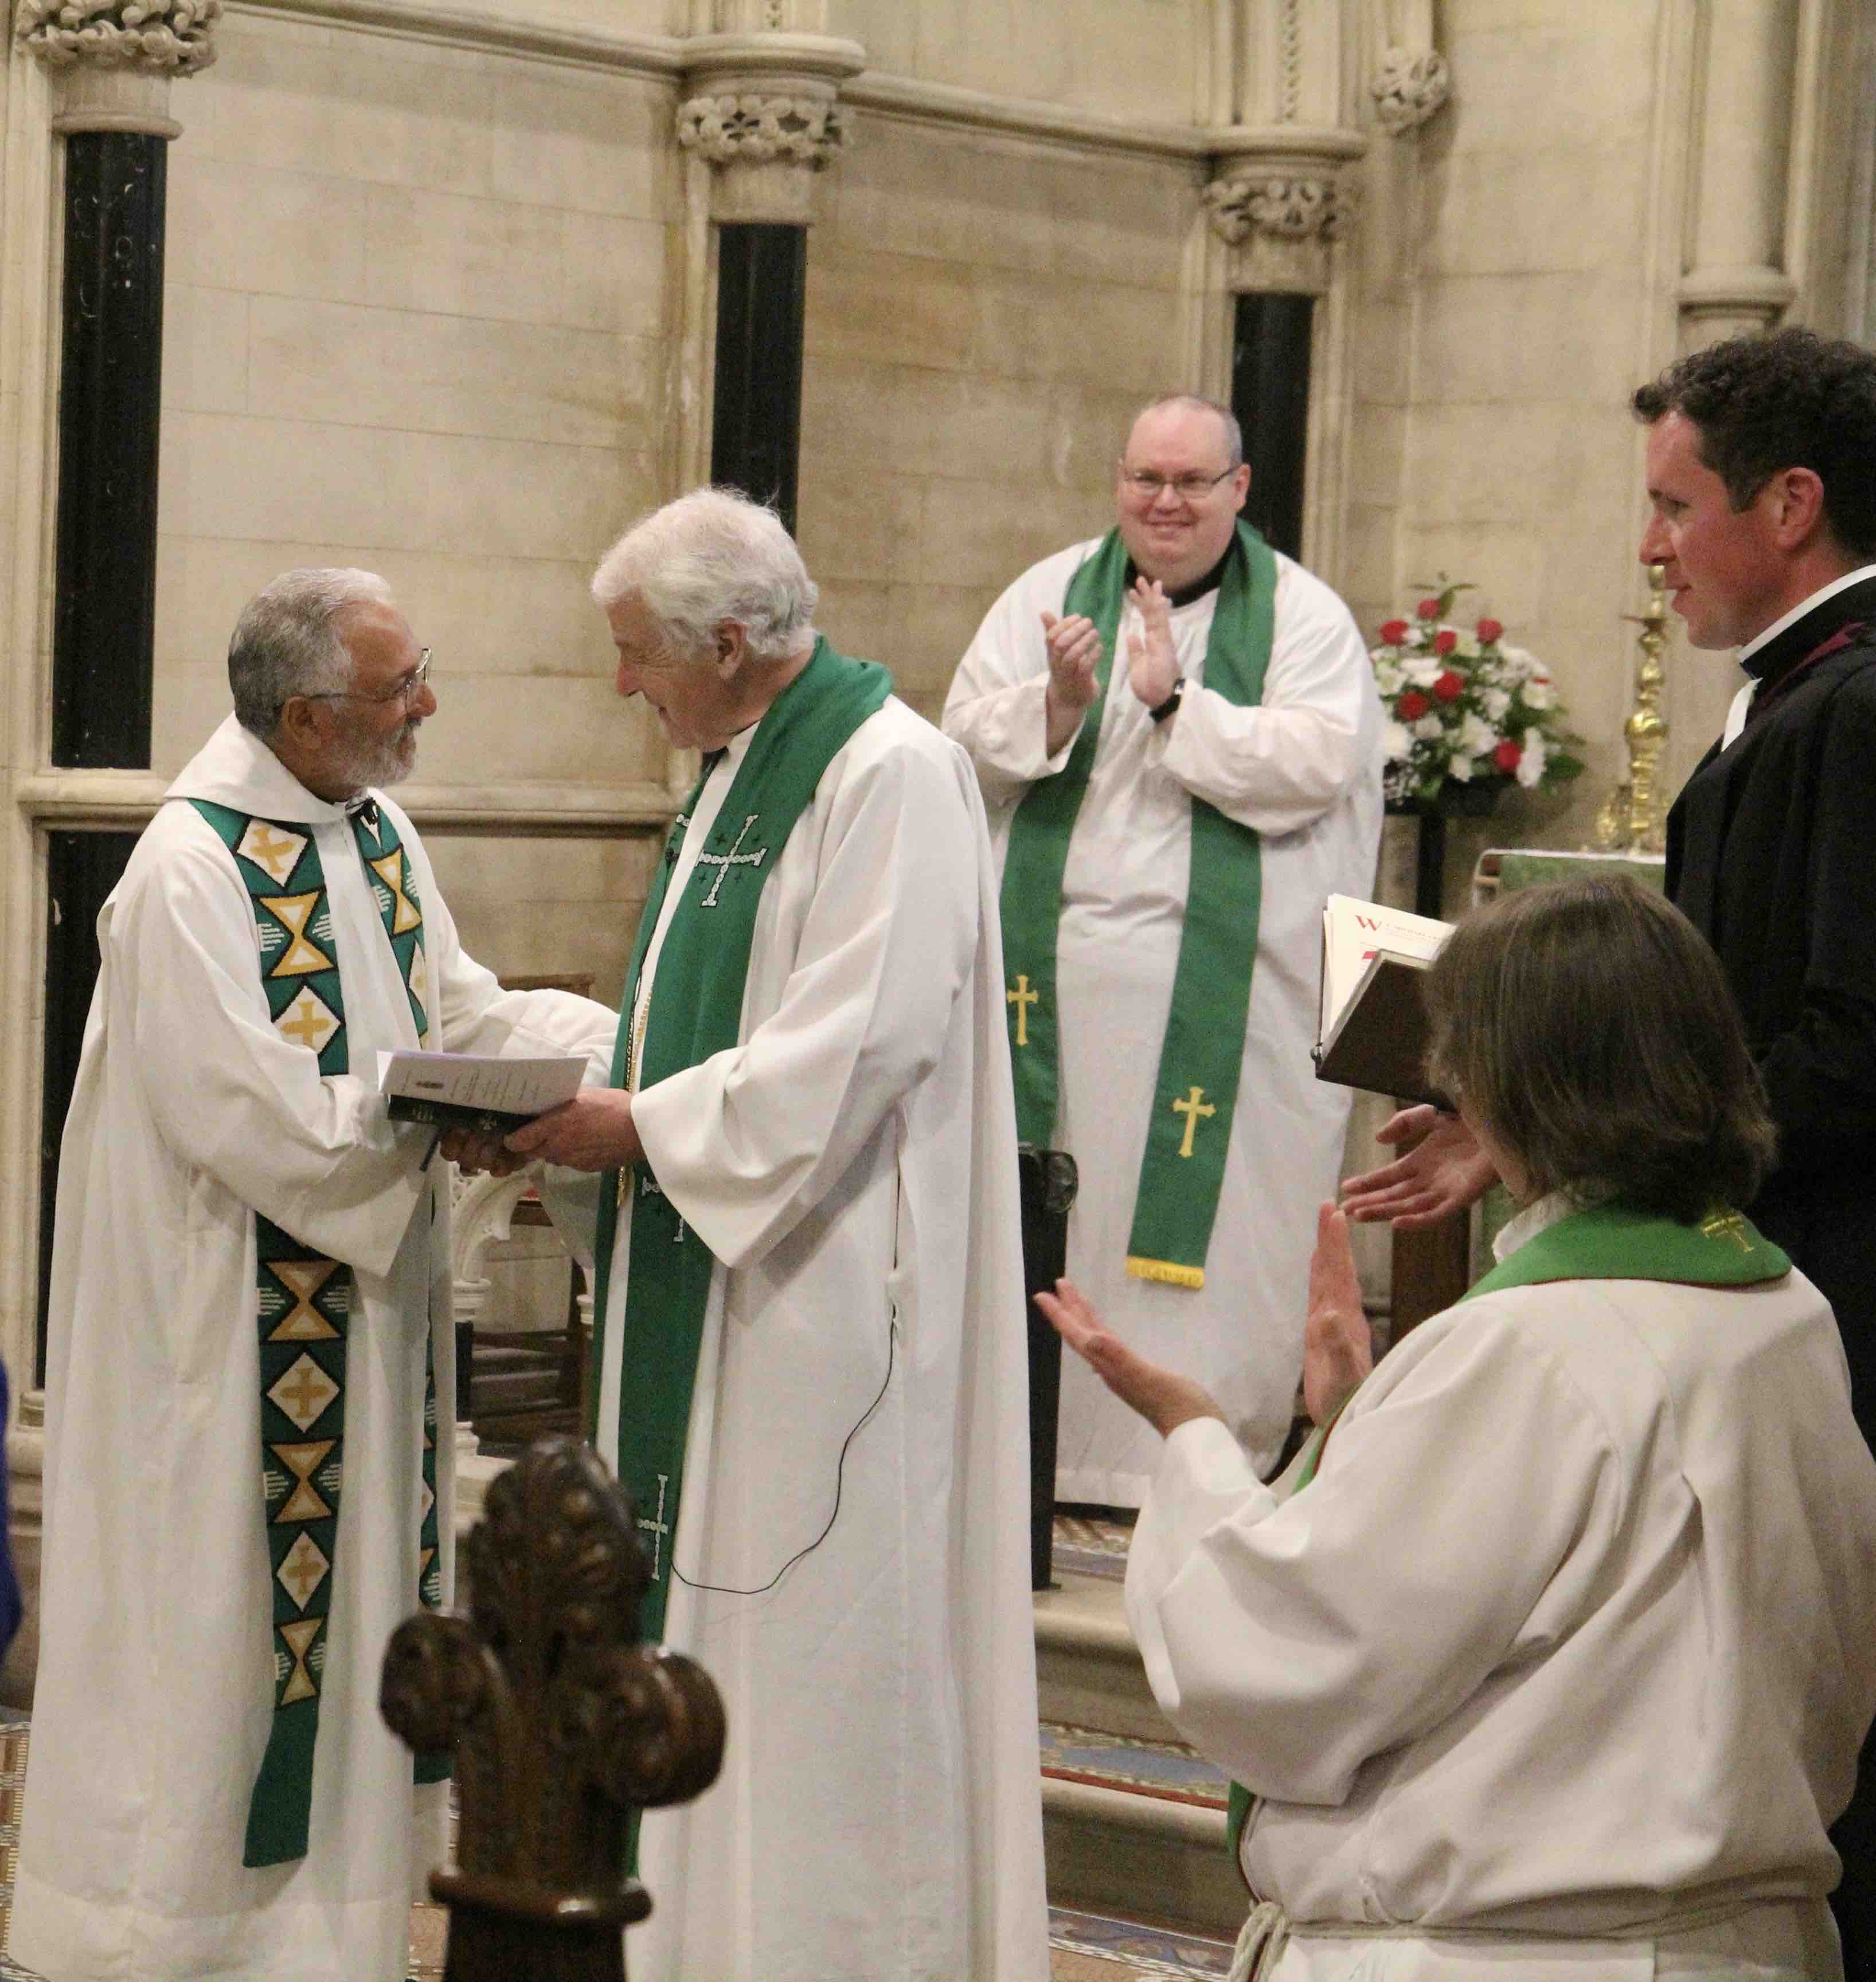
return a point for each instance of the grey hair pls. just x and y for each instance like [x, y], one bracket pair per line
[288, 642]
[711, 556]
[1234, 433]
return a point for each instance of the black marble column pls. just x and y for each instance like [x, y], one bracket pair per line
[762, 303]
[1270, 394]
[110, 389]
[81, 869]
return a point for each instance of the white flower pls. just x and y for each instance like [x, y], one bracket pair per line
[1461, 768]
[1386, 677]
[1530, 765]
[1497, 702]
[1476, 736]
[1521, 663]
[1397, 742]
[1431, 725]
[1423, 673]
[1539, 693]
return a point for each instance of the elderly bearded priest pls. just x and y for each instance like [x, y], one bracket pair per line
[1180, 740]
[811, 1349]
[250, 1256]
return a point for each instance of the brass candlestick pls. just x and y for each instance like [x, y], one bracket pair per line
[1632, 816]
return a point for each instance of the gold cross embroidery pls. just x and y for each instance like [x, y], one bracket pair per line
[305, 1394]
[1191, 1108]
[313, 1025]
[1022, 998]
[1727, 1225]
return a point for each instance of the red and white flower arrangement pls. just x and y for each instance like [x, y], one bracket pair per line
[1464, 709]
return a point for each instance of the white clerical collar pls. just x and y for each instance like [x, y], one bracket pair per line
[1534, 1218]
[1742, 702]
[1797, 612]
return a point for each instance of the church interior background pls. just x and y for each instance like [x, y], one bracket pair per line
[454, 289]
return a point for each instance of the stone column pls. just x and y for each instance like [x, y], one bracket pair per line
[110, 66]
[113, 70]
[762, 112]
[1736, 281]
[1282, 195]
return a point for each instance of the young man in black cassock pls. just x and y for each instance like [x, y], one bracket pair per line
[1762, 465]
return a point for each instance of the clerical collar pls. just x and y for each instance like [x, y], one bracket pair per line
[365, 809]
[1187, 595]
[1785, 642]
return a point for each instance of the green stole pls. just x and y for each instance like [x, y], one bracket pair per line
[1195, 1091]
[1607, 1242]
[303, 1304]
[696, 1010]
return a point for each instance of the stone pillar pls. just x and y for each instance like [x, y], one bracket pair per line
[115, 73]
[111, 65]
[762, 112]
[1737, 281]
[1283, 194]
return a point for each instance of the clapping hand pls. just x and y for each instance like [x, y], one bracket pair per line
[1444, 1171]
[1337, 1349]
[1163, 1397]
[1152, 666]
[1074, 649]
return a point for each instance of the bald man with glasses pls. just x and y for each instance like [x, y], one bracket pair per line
[1179, 740]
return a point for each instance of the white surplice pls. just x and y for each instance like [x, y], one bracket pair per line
[155, 1685]
[1570, 1636]
[1302, 769]
[850, 1163]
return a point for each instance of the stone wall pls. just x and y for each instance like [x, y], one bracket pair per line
[984, 312]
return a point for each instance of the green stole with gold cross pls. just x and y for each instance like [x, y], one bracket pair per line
[303, 1303]
[1195, 1091]
[1606, 1242]
[696, 1010]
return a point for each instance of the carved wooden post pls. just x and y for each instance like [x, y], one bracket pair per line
[563, 1724]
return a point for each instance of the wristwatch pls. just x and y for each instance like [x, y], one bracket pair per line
[1160, 713]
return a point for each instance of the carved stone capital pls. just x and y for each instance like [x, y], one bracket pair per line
[1408, 87]
[1281, 203]
[751, 128]
[161, 38]
[763, 110]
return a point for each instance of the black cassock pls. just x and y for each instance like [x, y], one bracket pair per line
[1771, 853]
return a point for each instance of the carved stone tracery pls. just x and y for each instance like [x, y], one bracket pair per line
[1283, 204]
[748, 128]
[156, 37]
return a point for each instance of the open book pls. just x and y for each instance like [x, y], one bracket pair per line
[1372, 1028]
[483, 1091]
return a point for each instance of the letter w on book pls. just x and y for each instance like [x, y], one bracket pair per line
[484, 1091]
[1371, 1031]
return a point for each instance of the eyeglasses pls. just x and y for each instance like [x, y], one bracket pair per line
[401, 691]
[1189, 488]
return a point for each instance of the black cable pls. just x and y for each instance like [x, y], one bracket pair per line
[840, 1471]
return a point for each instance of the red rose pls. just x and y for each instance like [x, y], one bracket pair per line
[1507, 756]
[1394, 632]
[1488, 631]
[1450, 686]
[1443, 643]
[1412, 706]
[1428, 609]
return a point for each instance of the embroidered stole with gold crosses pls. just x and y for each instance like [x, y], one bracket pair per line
[304, 1303]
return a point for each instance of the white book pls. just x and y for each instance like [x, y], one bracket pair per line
[435, 1086]
[1372, 1022]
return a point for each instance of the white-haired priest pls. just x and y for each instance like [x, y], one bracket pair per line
[250, 1368]
[811, 1346]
